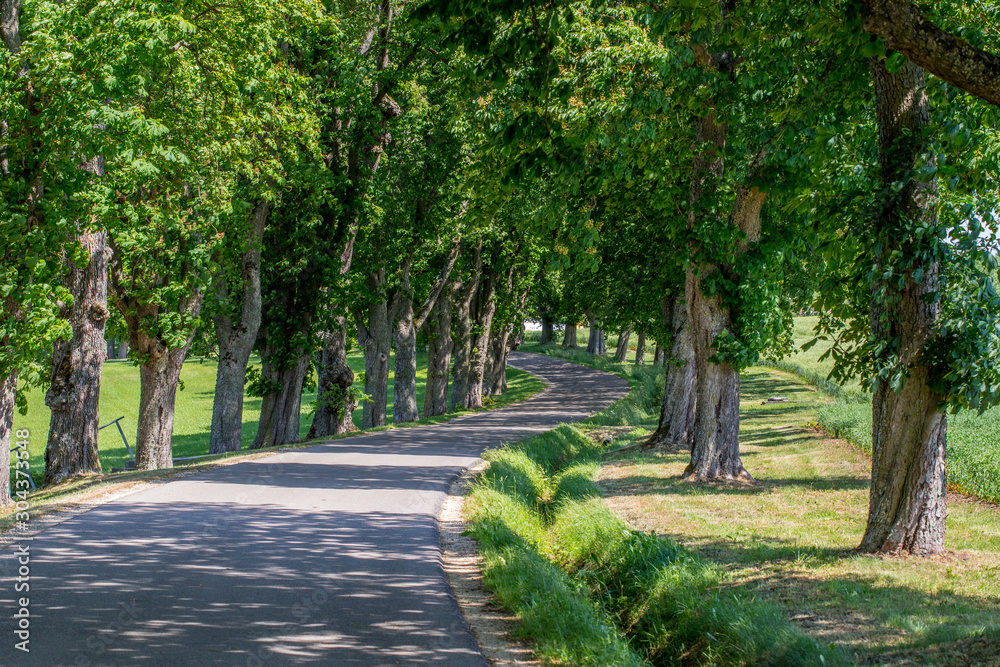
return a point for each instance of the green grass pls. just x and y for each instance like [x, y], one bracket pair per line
[786, 540]
[193, 409]
[973, 456]
[588, 589]
[789, 538]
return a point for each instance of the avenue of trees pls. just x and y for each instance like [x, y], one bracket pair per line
[294, 179]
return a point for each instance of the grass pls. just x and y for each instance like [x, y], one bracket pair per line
[193, 410]
[973, 456]
[588, 589]
[788, 539]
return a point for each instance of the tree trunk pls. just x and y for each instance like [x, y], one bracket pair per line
[492, 349]
[907, 499]
[596, 343]
[677, 416]
[486, 307]
[158, 379]
[462, 352]
[546, 329]
[716, 450]
[463, 334]
[405, 326]
[493, 385]
[658, 356]
[375, 337]
[334, 381]
[8, 389]
[621, 349]
[569, 336]
[715, 453]
[439, 346]
[123, 350]
[236, 341]
[281, 410]
[159, 374]
[404, 386]
[640, 349]
[75, 387]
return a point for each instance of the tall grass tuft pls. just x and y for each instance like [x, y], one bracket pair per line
[591, 591]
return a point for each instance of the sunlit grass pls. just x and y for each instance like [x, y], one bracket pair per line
[789, 537]
[973, 457]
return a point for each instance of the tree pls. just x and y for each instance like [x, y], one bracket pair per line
[236, 327]
[312, 243]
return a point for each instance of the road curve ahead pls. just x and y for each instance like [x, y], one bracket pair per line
[326, 555]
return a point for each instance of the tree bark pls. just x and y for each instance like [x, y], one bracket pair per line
[494, 384]
[596, 343]
[546, 329]
[161, 370]
[621, 349]
[569, 335]
[715, 450]
[375, 337]
[658, 356]
[74, 391]
[405, 326]
[439, 344]
[907, 499]
[463, 333]
[10, 31]
[905, 29]
[334, 381]
[281, 409]
[404, 387]
[640, 349]
[486, 307]
[158, 381]
[677, 415]
[8, 389]
[236, 341]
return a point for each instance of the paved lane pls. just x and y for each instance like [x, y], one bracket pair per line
[327, 555]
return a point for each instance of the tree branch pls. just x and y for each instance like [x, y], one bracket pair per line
[442, 280]
[904, 28]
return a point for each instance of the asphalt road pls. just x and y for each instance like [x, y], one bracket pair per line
[327, 555]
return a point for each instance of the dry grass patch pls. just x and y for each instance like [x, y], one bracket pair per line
[790, 537]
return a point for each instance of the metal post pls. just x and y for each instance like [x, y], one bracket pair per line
[115, 422]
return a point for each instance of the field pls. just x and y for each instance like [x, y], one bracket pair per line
[787, 540]
[973, 458]
[193, 414]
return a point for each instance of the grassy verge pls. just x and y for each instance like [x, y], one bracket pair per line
[590, 590]
[788, 539]
[973, 458]
[521, 385]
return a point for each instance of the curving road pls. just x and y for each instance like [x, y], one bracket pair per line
[327, 555]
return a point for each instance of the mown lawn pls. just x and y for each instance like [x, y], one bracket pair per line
[973, 460]
[193, 415]
[789, 537]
